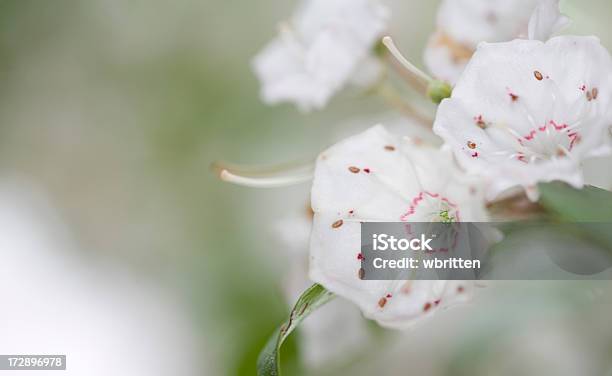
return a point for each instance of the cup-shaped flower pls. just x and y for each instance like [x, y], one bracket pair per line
[462, 24]
[525, 111]
[326, 44]
[376, 176]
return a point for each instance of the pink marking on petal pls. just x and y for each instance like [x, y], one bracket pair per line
[555, 126]
[558, 127]
[452, 205]
[512, 95]
[480, 121]
[418, 198]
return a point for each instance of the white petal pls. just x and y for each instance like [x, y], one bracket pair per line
[546, 20]
[377, 194]
[475, 21]
[465, 23]
[446, 58]
[281, 70]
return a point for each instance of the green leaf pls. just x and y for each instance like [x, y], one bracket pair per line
[589, 204]
[268, 363]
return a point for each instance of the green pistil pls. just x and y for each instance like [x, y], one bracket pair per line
[438, 91]
[446, 217]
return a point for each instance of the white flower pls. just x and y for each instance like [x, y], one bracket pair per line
[377, 176]
[326, 44]
[462, 24]
[525, 111]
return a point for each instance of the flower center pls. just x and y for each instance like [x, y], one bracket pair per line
[549, 141]
[546, 142]
[431, 207]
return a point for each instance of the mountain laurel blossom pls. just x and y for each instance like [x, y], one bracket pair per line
[522, 111]
[463, 24]
[376, 176]
[526, 111]
[326, 45]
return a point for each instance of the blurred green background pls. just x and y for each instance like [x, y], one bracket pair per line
[117, 108]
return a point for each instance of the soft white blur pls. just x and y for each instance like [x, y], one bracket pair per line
[59, 299]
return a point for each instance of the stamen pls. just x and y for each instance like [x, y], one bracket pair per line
[538, 75]
[382, 302]
[361, 273]
[264, 177]
[413, 70]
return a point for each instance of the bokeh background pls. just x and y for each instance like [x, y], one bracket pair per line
[121, 249]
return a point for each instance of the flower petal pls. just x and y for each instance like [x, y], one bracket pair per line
[546, 21]
[377, 176]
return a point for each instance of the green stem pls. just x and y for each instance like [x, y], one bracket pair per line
[435, 90]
